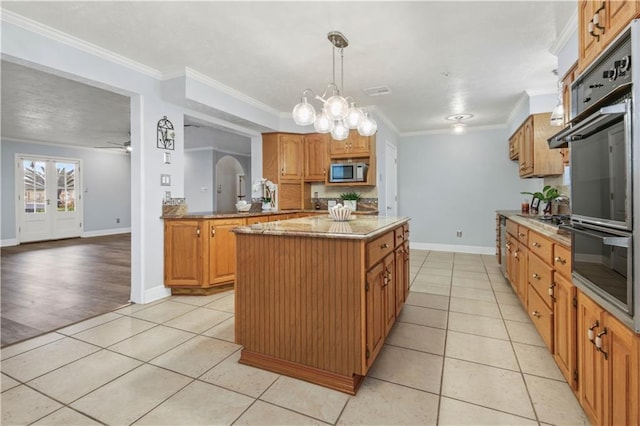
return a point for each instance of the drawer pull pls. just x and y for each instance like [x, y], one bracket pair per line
[520, 234]
[384, 246]
[198, 232]
[400, 237]
[590, 332]
[536, 276]
[599, 342]
[560, 260]
[536, 314]
[536, 244]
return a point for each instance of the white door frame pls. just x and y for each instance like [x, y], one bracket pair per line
[19, 189]
[390, 180]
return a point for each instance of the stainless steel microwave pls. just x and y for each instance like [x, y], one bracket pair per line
[348, 172]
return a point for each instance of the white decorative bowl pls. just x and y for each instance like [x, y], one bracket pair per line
[340, 214]
[243, 207]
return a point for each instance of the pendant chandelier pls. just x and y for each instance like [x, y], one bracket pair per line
[339, 114]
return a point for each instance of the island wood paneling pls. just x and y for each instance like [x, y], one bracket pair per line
[301, 300]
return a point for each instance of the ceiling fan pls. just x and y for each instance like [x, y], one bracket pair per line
[126, 146]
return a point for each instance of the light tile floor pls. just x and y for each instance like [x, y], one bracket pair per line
[462, 352]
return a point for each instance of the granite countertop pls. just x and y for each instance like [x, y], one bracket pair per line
[358, 227]
[235, 214]
[538, 225]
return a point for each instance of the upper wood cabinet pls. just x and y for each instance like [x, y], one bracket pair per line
[514, 145]
[282, 163]
[599, 22]
[316, 157]
[568, 79]
[535, 157]
[354, 146]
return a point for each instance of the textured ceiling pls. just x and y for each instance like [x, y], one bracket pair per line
[438, 58]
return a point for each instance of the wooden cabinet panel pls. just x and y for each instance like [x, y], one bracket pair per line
[379, 248]
[222, 250]
[590, 362]
[184, 252]
[541, 316]
[354, 146]
[564, 330]
[512, 228]
[389, 292]
[619, 14]
[316, 158]
[540, 277]
[290, 195]
[401, 277]
[542, 247]
[523, 234]
[536, 159]
[562, 260]
[290, 157]
[375, 307]
[621, 373]
[588, 45]
[522, 256]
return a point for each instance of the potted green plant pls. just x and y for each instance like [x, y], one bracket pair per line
[547, 195]
[350, 199]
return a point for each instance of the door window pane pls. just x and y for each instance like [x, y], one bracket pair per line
[35, 196]
[66, 194]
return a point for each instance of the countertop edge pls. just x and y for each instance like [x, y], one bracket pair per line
[256, 230]
[548, 230]
[236, 215]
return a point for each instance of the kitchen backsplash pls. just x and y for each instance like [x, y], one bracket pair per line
[364, 204]
[563, 182]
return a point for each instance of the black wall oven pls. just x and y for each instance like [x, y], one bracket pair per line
[603, 140]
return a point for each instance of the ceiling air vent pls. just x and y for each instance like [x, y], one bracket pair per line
[377, 91]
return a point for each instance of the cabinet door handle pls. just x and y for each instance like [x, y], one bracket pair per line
[536, 314]
[198, 232]
[213, 231]
[520, 234]
[598, 343]
[384, 246]
[536, 276]
[552, 290]
[560, 260]
[282, 171]
[590, 332]
[535, 244]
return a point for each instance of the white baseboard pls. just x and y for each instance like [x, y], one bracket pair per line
[156, 293]
[103, 232]
[453, 248]
[9, 242]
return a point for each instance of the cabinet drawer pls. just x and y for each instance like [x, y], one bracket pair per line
[379, 248]
[540, 277]
[401, 234]
[562, 260]
[542, 247]
[512, 228]
[523, 234]
[541, 316]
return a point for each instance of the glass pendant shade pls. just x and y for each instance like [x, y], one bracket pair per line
[340, 131]
[367, 126]
[323, 123]
[337, 107]
[557, 115]
[304, 113]
[354, 116]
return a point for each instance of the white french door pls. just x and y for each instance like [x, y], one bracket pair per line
[48, 203]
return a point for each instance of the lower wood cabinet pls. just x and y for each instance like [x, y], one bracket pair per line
[608, 367]
[199, 254]
[564, 329]
[541, 316]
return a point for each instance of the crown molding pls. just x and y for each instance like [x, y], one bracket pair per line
[198, 76]
[213, 148]
[63, 145]
[76, 43]
[569, 29]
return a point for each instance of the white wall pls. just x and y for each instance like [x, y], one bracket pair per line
[106, 187]
[456, 182]
[198, 180]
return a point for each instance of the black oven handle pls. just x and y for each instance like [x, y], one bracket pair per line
[607, 239]
[582, 129]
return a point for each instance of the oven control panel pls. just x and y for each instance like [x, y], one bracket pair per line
[609, 73]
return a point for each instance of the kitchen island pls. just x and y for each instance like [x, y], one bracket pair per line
[315, 298]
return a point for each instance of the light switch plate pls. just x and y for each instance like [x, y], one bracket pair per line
[165, 180]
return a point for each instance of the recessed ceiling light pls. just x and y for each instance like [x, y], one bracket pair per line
[459, 117]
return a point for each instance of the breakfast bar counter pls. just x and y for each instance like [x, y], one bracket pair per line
[315, 298]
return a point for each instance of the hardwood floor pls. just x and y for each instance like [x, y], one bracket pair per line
[49, 285]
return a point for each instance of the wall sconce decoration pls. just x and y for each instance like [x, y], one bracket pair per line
[166, 134]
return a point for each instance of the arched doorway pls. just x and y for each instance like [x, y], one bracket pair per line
[230, 183]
